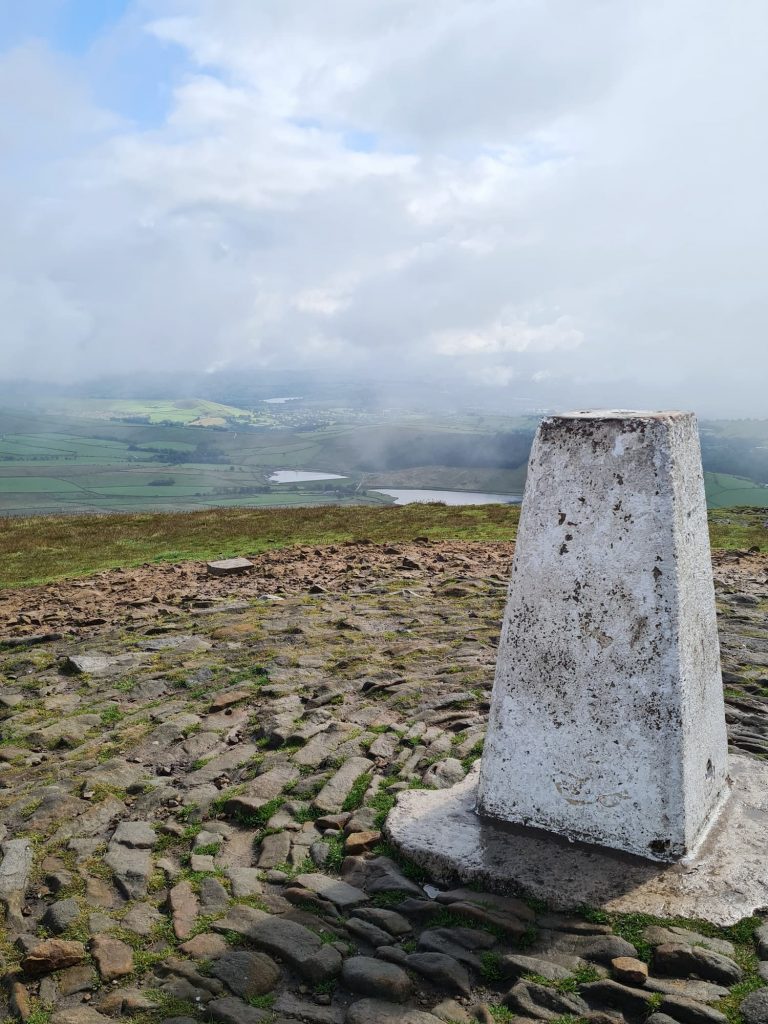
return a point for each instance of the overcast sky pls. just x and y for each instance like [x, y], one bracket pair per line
[548, 196]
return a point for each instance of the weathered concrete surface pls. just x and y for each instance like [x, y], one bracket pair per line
[724, 881]
[607, 722]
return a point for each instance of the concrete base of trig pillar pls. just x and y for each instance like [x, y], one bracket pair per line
[725, 880]
[607, 722]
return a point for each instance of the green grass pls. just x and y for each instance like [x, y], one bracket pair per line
[738, 528]
[40, 549]
[355, 796]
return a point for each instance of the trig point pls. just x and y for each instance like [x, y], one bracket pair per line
[605, 776]
[607, 721]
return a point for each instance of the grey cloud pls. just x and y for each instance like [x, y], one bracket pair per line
[562, 197]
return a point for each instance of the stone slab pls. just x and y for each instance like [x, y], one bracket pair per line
[229, 566]
[725, 880]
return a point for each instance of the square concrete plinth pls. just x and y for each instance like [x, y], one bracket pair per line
[607, 722]
[725, 879]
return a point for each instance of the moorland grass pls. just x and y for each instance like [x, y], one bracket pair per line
[41, 549]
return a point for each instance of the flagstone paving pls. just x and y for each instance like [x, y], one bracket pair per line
[192, 794]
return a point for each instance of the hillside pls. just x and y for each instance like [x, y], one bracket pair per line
[197, 770]
[40, 549]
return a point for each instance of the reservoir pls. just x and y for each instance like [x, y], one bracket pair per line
[408, 495]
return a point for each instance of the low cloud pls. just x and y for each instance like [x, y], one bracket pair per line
[561, 197]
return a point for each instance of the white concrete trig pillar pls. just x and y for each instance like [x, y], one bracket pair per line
[607, 722]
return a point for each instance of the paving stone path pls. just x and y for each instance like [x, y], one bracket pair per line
[192, 800]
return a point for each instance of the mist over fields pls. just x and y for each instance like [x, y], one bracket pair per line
[258, 440]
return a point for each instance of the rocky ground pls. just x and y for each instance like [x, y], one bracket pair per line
[194, 775]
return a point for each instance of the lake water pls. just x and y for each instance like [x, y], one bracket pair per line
[299, 476]
[282, 401]
[406, 496]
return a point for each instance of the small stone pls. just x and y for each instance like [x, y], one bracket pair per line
[344, 896]
[452, 1012]
[125, 1002]
[95, 664]
[14, 877]
[114, 958]
[368, 933]
[754, 1007]
[131, 868]
[337, 789]
[245, 882]
[76, 979]
[79, 1015]
[60, 915]
[444, 773]
[683, 961]
[20, 1002]
[234, 1011]
[632, 1002]
[99, 922]
[184, 909]
[377, 1011]
[376, 978]
[379, 874]
[459, 943]
[214, 898]
[227, 700]
[362, 820]
[139, 835]
[441, 970]
[246, 972]
[659, 936]
[319, 852]
[58, 880]
[629, 970]
[205, 946]
[515, 966]
[99, 893]
[202, 862]
[384, 746]
[52, 955]
[142, 919]
[299, 947]
[690, 1011]
[294, 1007]
[532, 1000]
[361, 842]
[274, 850]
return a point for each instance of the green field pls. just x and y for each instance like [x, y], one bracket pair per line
[124, 455]
[156, 411]
[726, 491]
[78, 460]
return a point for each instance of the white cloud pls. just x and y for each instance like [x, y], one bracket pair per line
[560, 194]
[511, 334]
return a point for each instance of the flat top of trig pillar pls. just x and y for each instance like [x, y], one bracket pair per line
[620, 414]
